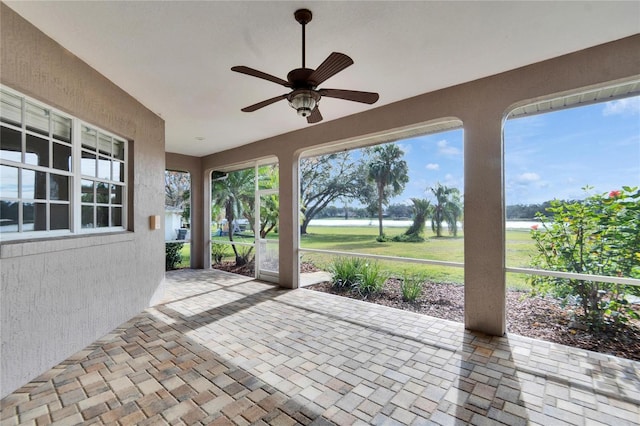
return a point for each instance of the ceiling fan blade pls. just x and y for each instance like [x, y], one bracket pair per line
[315, 116]
[350, 95]
[263, 104]
[331, 66]
[260, 74]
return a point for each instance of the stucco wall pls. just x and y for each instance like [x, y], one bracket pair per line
[58, 295]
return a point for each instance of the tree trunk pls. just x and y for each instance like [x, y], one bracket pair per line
[380, 211]
[229, 214]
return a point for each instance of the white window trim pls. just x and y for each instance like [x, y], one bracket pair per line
[75, 196]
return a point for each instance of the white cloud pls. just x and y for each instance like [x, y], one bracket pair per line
[433, 166]
[445, 149]
[453, 182]
[528, 177]
[626, 106]
[406, 148]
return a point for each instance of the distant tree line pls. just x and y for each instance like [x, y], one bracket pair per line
[405, 211]
[528, 211]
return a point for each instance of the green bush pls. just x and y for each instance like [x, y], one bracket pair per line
[243, 255]
[411, 287]
[371, 279]
[218, 252]
[172, 255]
[408, 238]
[345, 272]
[382, 238]
[599, 235]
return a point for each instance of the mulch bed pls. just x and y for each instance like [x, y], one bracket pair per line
[536, 317]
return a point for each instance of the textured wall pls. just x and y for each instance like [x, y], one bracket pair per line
[58, 295]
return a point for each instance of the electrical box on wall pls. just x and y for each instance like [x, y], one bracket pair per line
[154, 222]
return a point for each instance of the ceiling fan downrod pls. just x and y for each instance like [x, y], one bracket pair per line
[303, 16]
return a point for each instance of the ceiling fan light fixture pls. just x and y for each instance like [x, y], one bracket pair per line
[303, 101]
[303, 82]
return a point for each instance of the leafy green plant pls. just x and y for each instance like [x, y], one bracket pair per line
[172, 255]
[243, 255]
[411, 287]
[345, 272]
[599, 235]
[371, 279]
[382, 238]
[218, 252]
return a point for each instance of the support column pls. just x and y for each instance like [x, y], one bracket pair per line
[289, 224]
[484, 277]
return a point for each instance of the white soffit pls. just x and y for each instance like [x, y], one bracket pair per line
[175, 57]
[602, 94]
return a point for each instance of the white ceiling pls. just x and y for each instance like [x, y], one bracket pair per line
[175, 57]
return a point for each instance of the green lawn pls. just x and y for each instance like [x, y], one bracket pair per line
[361, 239]
[186, 256]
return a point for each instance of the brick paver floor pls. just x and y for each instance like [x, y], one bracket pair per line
[227, 350]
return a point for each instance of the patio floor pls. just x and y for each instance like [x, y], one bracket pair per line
[223, 349]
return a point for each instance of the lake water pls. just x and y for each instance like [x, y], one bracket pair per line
[515, 224]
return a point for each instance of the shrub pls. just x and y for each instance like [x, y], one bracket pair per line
[243, 255]
[172, 255]
[382, 238]
[408, 238]
[218, 252]
[599, 235]
[411, 287]
[345, 272]
[371, 279]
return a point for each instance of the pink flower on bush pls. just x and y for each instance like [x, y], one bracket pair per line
[614, 194]
[534, 227]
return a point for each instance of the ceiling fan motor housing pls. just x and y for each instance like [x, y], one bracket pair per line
[304, 101]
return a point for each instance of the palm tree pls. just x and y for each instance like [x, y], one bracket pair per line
[421, 209]
[390, 173]
[454, 208]
[233, 193]
[447, 208]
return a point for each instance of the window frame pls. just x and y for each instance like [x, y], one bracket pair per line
[74, 175]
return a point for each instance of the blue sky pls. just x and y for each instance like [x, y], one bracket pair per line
[547, 156]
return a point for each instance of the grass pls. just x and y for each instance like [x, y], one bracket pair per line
[361, 239]
[186, 256]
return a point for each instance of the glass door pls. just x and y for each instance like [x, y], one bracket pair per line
[267, 255]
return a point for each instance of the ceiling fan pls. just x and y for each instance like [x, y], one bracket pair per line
[305, 95]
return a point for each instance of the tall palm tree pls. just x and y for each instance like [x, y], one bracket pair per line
[389, 172]
[233, 194]
[447, 208]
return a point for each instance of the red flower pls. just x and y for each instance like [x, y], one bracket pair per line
[534, 227]
[614, 194]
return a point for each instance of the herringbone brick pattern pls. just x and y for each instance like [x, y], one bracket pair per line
[227, 350]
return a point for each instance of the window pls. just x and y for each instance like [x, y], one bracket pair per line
[49, 183]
